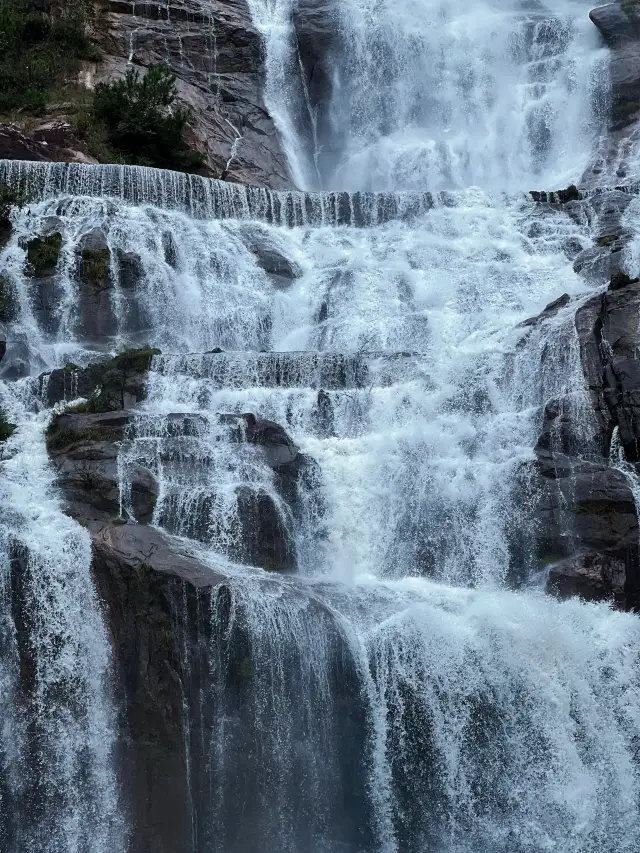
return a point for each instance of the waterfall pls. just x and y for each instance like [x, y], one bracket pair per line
[380, 669]
[58, 789]
[437, 93]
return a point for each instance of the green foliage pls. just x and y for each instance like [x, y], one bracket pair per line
[141, 121]
[43, 254]
[57, 438]
[95, 265]
[607, 240]
[620, 280]
[6, 429]
[39, 50]
[9, 307]
[623, 110]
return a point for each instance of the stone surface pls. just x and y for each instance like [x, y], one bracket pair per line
[216, 54]
[84, 449]
[156, 596]
[619, 25]
[111, 384]
[586, 516]
[50, 141]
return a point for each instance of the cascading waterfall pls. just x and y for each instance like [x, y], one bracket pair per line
[58, 789]
[406, 686]
[435, 94]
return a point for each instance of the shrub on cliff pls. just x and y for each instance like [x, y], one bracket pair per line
[143, 125]
[39, 51]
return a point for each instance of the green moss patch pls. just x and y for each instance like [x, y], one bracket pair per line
[620, 280]
[42, 255]
[95, 265]
[9, 305]
[572, 193]
[116, 376]
[57, 438]
[607, 240]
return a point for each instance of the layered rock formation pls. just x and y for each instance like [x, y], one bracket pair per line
[157, 590]
[619, 25]
[588, 448]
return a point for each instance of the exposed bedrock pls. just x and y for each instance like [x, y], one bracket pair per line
[216, 54]
[588, 456]
[619, 25]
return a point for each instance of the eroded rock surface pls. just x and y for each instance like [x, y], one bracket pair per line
[588, 455]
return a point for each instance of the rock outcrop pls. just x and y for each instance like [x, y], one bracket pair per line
[619, 25]
[588, 456]
[167, 605]
[156, 596]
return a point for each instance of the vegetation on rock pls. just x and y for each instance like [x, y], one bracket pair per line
[114, 377]
[141, 124]
[95, 265]
[572, 193]
[57, 437]
[6, 429]
[40, 50]
[8, 300]
[620, 280]
[43, 254]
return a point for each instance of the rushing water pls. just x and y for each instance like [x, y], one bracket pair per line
[436, 93]
[408, 688]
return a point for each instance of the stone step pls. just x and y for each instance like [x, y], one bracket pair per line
[314, 370]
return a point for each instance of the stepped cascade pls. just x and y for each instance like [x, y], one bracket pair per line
[318, 527]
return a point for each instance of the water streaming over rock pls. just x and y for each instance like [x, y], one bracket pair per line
[404, 685]
[407, 95]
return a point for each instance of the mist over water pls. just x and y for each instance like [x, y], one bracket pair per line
[410, 686]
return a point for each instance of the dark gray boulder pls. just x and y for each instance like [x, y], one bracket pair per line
[586, 514]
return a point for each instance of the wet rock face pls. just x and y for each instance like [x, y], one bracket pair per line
[157, 604]
[619, 25]
[216, 55]
[587, 521]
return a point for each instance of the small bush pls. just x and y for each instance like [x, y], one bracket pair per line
[141, 121]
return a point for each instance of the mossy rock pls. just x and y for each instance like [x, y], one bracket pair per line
[95, 266]
[620, 280]
[57, 438]
[117, 376]
[625, 109]
[43, 254]
[9, 305]
[607, 240]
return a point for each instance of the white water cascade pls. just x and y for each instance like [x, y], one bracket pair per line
[435, 94]
[405, 686]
